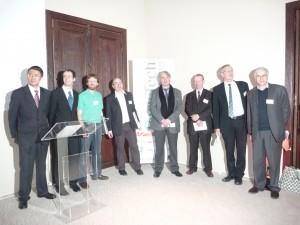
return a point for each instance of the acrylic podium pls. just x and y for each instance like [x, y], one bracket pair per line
[72, 167]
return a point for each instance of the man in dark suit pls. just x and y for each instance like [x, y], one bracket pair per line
[229, 118]
[122, 123]
[198, 108]
[165, 107]
[63, 108]
[27, 117]
[267, 117]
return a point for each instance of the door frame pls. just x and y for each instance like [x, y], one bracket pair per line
[291, 158]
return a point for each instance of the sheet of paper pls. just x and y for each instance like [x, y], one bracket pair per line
[198, 128]
[68, 131]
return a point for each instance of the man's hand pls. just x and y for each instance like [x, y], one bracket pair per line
[110, 134]
[195, 117]
[166, 123]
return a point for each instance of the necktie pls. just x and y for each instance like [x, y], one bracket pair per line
[166, 95]
[36, 98]
[198, 96]
[230, 107]
[70, 100]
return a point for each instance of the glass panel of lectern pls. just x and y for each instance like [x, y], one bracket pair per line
[73, 205]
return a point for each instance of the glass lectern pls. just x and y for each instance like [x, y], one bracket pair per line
[75, 204]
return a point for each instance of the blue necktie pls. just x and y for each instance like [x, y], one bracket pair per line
[230, 107]
[70, 100]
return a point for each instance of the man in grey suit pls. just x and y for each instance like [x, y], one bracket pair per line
[268, 112]
[28, 123]
[165, 108]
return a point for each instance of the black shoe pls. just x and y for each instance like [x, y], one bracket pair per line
[177, 173]
[227, 179]
[102, 177]
[139, 172]
[156, 174]
[209, 173]
[191, 171]
[47, 196]
[238, 181]
[274, 194]
[23, 204]
[75, 188]
[123, 172]
[254, 190]
[84, 185]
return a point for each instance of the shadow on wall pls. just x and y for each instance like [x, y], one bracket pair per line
[14, 146]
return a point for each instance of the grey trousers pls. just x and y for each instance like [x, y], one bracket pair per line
[264, 146]
[129, 134]
[160, 137]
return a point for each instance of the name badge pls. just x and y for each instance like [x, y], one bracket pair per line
[130, 102]
[95, 102]
[205, 101]
[270, 101]
[245, 93]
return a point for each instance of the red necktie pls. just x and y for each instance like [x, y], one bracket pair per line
[36, 98]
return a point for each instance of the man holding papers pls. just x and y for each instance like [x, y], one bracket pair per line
[165, 107]
[198, 108]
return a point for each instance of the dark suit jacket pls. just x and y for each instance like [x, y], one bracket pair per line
[114, 113]
[221, 119]
[278, 112]
[203, 109]
[28, 124]
[59, 110]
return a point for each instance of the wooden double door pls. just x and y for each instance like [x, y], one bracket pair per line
[86, 47]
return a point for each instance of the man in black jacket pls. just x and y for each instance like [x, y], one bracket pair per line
[229, 118]
[122, 123]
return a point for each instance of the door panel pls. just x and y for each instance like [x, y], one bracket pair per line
[86, 47]
[71, 49]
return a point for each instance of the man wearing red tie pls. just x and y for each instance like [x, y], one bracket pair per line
[27, 117]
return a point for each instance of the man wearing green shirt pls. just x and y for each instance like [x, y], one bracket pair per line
[89, 109]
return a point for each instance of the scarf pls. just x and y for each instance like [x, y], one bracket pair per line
[166, 109]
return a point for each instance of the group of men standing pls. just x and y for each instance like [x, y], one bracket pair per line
[231, 110]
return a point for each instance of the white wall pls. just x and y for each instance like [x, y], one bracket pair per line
[201, 35]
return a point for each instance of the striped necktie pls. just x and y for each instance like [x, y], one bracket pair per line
[230, 106]
[36, 98]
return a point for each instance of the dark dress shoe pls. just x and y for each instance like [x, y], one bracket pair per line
[75, 188]
[177, 173]
[274, 194]
[23, 204]
[227, 179]
[191, 171]
[47, 196]
[238, 181]
[102, 177]
[156, 174]
[209, 173]
[254, 190]
[123, 172]
[84, 185]
[139, 172]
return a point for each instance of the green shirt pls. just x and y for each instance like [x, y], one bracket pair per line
[91, 104]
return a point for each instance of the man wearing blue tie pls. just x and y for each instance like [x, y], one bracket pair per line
[229, 119]
[63, 108]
